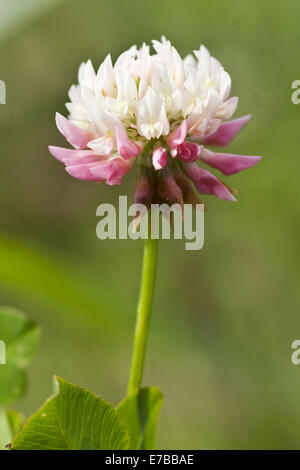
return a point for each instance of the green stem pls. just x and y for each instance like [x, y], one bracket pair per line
[143, 313]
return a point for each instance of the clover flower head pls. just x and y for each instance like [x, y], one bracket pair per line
[160, 111]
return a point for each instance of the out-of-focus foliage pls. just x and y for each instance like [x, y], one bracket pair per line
[15, 13]
[20, 336]
[10, 423]
[225, 317]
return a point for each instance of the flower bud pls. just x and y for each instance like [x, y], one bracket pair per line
[188, 192]
[167, 190]
[144, 187]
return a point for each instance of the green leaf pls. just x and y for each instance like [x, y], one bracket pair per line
[19, 337]
[73, 419]
[10, 423]
[20, 334]
[140, 412]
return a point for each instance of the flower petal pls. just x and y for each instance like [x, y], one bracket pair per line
[226, 132]
[152, 121]
[112, 170]
[126, 148]
[188, 151]
[178, 136]
[103, 145]
[206, 182]
[83, 171]
[228, 163]
[88, 165]
[70, 157]
[159, 158]
[75, 135]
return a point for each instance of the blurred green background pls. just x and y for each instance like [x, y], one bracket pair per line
[224, 317]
